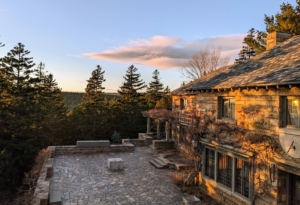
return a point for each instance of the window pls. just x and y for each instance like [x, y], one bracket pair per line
[224, 170]
[290, 111]
[231, 172]
[226, 107]
[210, 163]
[293, 114]
[293, 189]
[242, 177]
[183, 103]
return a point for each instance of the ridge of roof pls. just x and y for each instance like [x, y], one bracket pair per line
[278, 65]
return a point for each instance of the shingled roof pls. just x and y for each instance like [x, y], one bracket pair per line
[277, 66]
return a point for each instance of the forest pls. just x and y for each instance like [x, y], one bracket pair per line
[34, 114]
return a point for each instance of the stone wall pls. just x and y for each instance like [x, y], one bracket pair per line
[73, 149]
[163, 144]
[257, 111]
[143, 140]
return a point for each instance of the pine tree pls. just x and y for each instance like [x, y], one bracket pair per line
[256, 40]
[129, 89]
[94, 89]
[288, 20]
[245, 54]
[166, 101]
[91, 115]
[22, 137]
[154, 90]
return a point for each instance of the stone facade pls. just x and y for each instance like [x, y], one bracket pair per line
[258, 111]
[275, 38]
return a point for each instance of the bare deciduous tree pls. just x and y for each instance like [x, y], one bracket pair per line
[204, 62]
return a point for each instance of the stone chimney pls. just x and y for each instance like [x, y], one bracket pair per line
[275, 38]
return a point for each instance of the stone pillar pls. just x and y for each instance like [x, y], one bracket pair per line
[158, 129]
[167, 130]
[148, 124]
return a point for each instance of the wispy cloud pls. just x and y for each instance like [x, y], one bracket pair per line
[168, 52]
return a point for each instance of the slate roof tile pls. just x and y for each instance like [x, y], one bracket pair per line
[281, 65]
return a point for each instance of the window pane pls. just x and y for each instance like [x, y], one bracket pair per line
[228, 108]
[224, 169]
[242, 177]
[293, 112]
[210, 163]
[295, 189]
[225, 107]
[232, 108]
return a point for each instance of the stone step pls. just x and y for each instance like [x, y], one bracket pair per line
[165, 160]
[154, 163]
[162, 163]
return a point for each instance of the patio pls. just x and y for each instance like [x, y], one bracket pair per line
[85, 179]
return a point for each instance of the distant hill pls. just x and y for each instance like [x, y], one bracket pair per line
[72, 99]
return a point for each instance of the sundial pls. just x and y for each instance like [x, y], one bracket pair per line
[290, 141]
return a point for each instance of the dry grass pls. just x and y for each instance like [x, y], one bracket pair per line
[25, 193]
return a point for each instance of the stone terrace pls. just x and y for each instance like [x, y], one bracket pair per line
[85, 179]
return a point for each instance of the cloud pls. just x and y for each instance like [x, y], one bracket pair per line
[168, 52]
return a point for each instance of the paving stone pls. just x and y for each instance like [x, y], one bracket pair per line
[85, 179]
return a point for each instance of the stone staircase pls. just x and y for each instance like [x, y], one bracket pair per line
[161, 162]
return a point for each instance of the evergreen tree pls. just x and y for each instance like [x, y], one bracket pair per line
[166, 101]
[245, 54]
[22, 138]
[256, 40]
[94, 89]
[30, 110]
[129, 89]
[90, 116]
[154, 90]
[288, 20]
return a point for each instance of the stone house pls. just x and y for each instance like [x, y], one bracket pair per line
[261, 97]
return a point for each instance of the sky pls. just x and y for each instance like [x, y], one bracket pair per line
[72, 37]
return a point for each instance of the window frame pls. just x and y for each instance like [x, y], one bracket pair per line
[284, 112]
[221, 107]
[234, 157]
[183, 103]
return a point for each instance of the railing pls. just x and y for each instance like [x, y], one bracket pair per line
[188, 117]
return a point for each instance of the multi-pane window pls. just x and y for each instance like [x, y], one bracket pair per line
[293, 112]
[226, 107]
[183, 104]
[210, 163]
[224, 170]
[232, 172]
[294, 190]
[242, 173]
